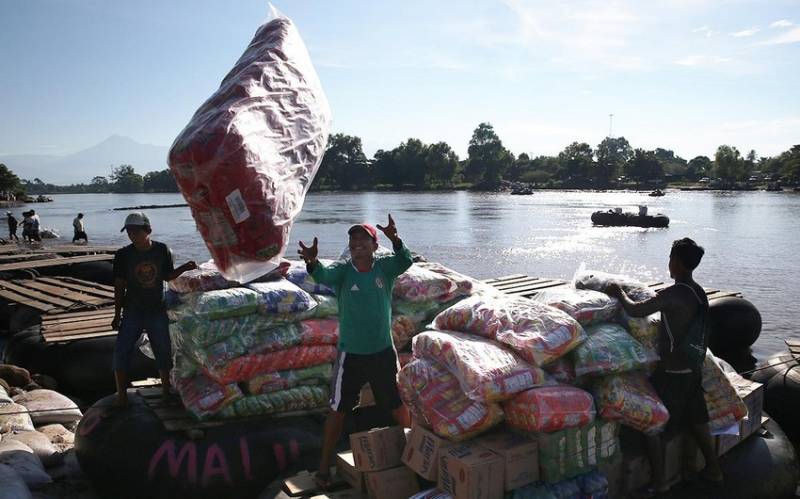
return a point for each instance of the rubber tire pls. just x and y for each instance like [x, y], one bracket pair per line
[734, 324]
[772, 366]
[782, 401]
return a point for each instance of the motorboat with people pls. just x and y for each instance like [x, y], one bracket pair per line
[656, 193]
[618, 218]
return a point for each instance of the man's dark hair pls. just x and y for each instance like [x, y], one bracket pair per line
[688, 252]
[80, 214]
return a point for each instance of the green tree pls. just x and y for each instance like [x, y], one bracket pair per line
[518, 168]
[576, 162]
[410, 161]
[698, 167]
[99, 184]
[790, 163]
[125, 179]
[728, 164]
[385, 169]
[644, 166]
[442, 163]
[9, 182]
[488, 159]
[612, 154]
[161, 181]
[344, 164]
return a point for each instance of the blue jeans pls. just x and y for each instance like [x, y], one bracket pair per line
[134, 323]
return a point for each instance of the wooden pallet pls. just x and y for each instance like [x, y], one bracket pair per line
[53, 262]
[61, 328]
[794, 348]
[52, 295]
[175, 417]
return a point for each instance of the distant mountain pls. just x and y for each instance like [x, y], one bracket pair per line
[82, 166]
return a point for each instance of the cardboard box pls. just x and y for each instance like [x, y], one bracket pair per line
[378, 449]
[520, 457]
[422, 452]
[342, 494]
[394, 483]
[566, 453]
[469, 471]
[346, 466]
[752, 394]
[726, 442]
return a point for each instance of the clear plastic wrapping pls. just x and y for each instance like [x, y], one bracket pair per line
[598, 281]
[204, 397]
[486, 371]
[630, 399]
[298, 275]
[250, 365]
[281, 297]
[722, 402]
[248, 155]
[549, 408]
[220, 304]
[294, 399]
[610, 349]
[283, 380]
[206, 277]
[584, 305]
[420, 284]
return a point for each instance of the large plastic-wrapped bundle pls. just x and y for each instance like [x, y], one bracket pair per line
[435, 398]
[319, 331]
[465, 285]
[192, 332]
[630, 399]
[598, 281]
[610, 349]
[294, 399]
[217, 355]
[584, 305]
[549, 408]
[250, 365]
[404, 328]
[206, 277]
[722, 402]
[486, 371]
[646, 330]
[298, 275]
[562, 370]
[538, 333]
[283, 380]
[248, 155]
[221, 304]
[281, 297]
[202, 396]
[420, 284]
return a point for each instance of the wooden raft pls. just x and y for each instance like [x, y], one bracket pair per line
[54, 295]
[54, 262]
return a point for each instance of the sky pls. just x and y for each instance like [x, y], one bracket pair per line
[686, 75]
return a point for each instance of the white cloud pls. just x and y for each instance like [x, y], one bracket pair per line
[746, 32]
[783, 23]
[791, 36]
[705, 30]
[697, 60]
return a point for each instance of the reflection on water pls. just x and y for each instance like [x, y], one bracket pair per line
[750, 237]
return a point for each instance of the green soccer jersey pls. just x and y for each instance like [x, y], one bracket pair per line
[365, 300]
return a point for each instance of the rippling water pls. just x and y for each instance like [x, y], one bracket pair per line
[750, 237]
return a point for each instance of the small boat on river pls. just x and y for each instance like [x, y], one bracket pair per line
[656, 193]
[618, 218]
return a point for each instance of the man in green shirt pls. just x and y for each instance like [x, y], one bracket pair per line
[363, 287]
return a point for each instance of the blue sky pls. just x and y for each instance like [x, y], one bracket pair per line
[682, 74]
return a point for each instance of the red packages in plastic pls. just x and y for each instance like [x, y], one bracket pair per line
[550, 408]
[248, 155]
[246, 367]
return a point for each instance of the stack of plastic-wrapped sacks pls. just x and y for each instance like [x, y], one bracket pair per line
[263, 348]
[567, 367]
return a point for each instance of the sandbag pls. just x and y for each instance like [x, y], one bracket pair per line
[538, 333]
[610, 349]
[724, 405]
[294, 399]
[281, 297]
[436, 400]
[206, 277]
[57, 433]
[283, 380]
[15, 417]
[549, 408]
[584, 305]
[486, 371]
[14, 486]
[598, 281]
[248, 366]
[40, 444]
[15, 376]
[420, 284]
[203, 396]
[24, 462]
[630, 399]
[47, 406]
[299, 276]
[248, 155]
[4, 397]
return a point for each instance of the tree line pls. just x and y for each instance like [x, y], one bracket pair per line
[419, 166]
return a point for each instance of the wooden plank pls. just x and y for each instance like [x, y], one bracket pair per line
[65, 293]
[53, 262]
[85, 313]
[27, 256]
[25, 300]
[532, 288]
[94, 290]
[97, 285]
[93, 329]
[521, 282]
[64, 339]
[504, 278]
[50, 327]
[42, 297]
[56, 320]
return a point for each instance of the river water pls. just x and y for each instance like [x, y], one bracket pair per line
[751, 238]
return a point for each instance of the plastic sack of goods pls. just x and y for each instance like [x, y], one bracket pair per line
[420, 284]
[436, 400]
[610, 349]
[404, 328]
[538, 333]
[549, 408]
[722, 402]
[283, 380]
[220, 304]
[248, 366]
[598, 281]
[584, 305]
[486, 371]
[281, 297]
[206, 277]
[298, 275]
[561, 370]
[630, 399]
[202, 396]
[252, 341]
[193, 333]
[644, 329]
[248, 155]
[465, 285]
[294, 399]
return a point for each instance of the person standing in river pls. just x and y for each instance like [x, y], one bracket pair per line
[366, 354]
[12, 227]
[140, 270]
[682, 349]
[80, 231]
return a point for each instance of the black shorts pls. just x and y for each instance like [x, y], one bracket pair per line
[684, 398]
[352, 371]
